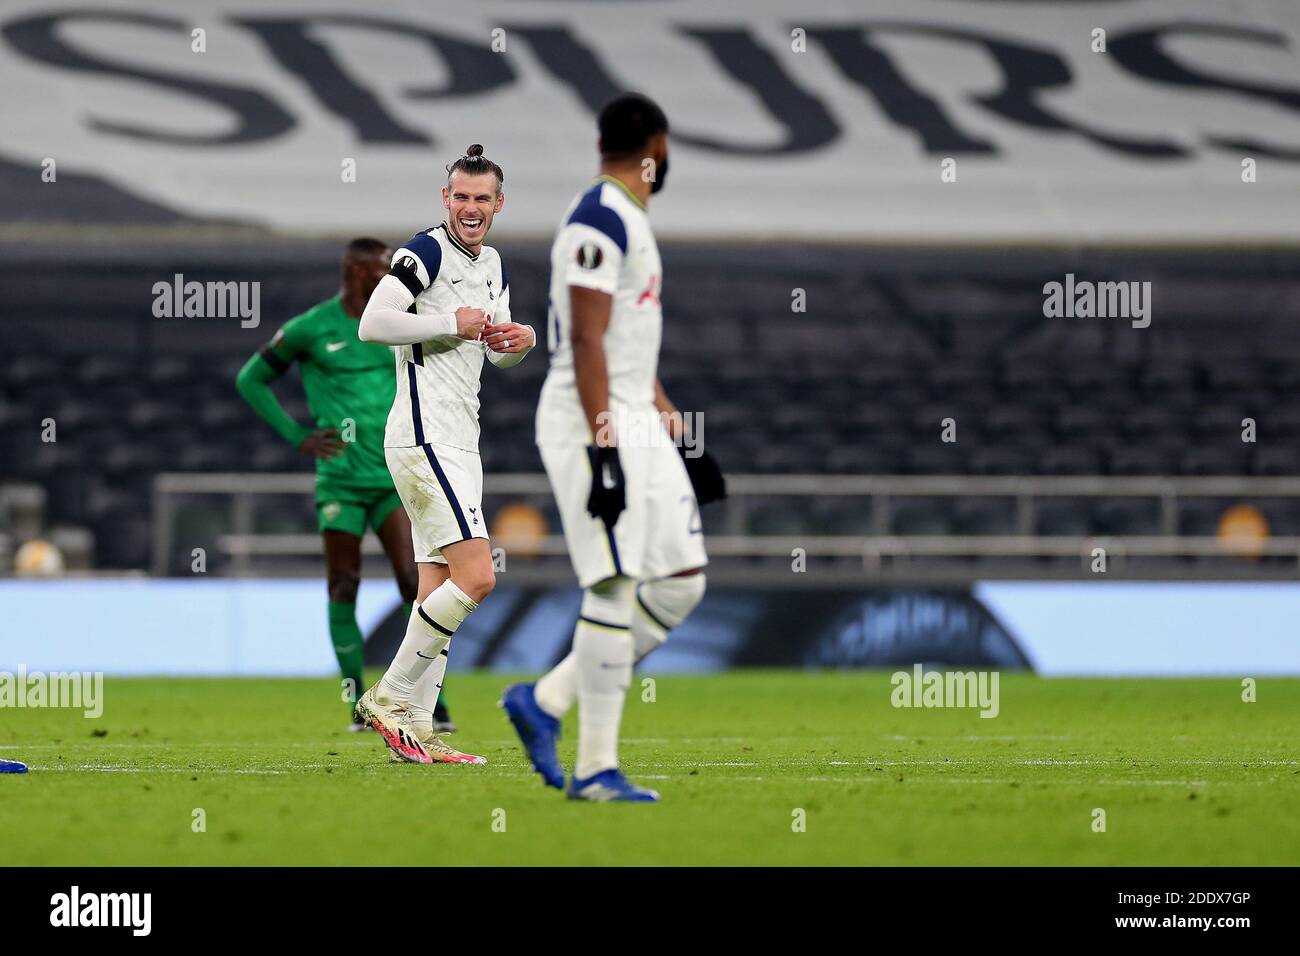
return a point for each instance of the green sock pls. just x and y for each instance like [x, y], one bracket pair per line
[348, 645]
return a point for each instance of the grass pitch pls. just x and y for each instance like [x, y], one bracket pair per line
[1186, 772]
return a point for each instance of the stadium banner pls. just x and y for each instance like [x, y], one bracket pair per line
[278, 628]
[899, 120]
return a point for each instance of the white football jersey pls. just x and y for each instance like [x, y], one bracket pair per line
[438, 380]
[604, 243]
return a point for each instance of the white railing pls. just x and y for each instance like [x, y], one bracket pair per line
[873, 551]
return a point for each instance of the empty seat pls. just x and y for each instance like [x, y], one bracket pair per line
[1012, 421]
[1276, 460]
[1127, 516]
[1153, 420]
[1070, 460]
[922, 516]
[1228, 375]
[1218, 459]
[1141, 460]
[1082, 421]
[1167, 376]
[985, 516]
[1063, 517]
[99, 371]
[1002, 461]
[864, 459]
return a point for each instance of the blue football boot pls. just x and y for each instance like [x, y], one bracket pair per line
[538, 731]
[610, 785]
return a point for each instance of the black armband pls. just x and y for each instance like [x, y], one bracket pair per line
[278, 365]
[404, 271]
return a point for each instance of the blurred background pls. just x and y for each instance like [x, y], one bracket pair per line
[867, 202]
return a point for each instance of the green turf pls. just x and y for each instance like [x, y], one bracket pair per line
[1186, 772]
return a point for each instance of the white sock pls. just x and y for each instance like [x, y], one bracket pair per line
[425, 696]
[428, 633]
[557, 690]
[663, 601]
[602, 646]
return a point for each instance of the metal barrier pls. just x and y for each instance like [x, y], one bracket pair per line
[872, 552]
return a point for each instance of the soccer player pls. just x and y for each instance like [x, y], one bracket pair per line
[349, 384]
[445, 303]
[609, 440]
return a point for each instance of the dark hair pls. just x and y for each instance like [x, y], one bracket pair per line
[627, 123]
[363, 247]
[474, 163]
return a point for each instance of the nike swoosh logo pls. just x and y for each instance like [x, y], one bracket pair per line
[418, 654]
[454, 281]
[607, 477]
[335, 346]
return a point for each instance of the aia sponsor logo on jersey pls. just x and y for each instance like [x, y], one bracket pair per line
[651, 292]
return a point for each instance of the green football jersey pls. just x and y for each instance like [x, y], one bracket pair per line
[349, 384]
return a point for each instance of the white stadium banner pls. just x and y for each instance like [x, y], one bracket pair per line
[876, 120]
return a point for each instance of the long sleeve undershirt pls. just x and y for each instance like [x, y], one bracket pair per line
[387, 320]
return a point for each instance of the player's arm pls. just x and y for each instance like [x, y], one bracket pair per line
[254, 384]
[597, 240]
[388, 317]
[701, 467]
[507, 341]
[669, 414]
[590, 310]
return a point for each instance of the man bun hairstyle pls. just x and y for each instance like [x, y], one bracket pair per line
[627, 123]
[474, 163]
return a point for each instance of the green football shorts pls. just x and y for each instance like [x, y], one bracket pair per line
[350, 510]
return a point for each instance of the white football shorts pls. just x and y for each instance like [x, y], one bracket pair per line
[657, 535]
[442, 490]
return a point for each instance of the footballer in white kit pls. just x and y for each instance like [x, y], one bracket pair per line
[612, 445]
[444, 306]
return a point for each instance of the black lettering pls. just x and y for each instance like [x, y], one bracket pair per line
[1141, 53]
[808, 125]
[259, 117]
[472, 69]
[1025, 70]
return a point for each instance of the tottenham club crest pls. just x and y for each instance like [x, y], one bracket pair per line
[590, 256]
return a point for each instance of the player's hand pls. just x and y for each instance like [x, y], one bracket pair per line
[509, 337]
[470, 322]
[608, 497]
[706, 477]
[322, 443]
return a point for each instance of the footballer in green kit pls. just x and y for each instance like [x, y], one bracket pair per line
[350, 386]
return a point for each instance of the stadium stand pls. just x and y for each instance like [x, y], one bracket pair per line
[890, 346]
